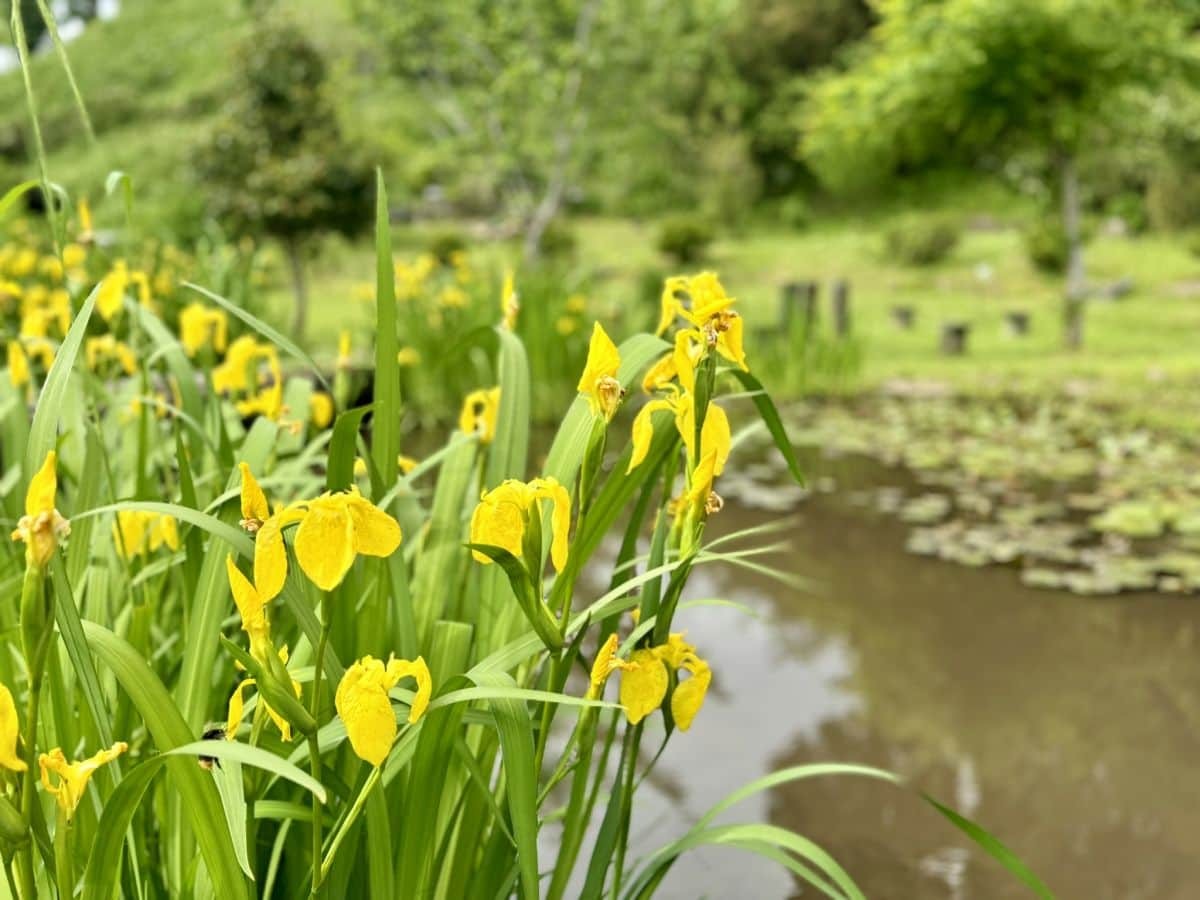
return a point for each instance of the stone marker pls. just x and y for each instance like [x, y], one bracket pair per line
[954, 338]
[1017, 321]
[841, 308]
[904, 317]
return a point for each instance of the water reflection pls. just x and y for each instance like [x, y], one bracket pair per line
[1066, 725]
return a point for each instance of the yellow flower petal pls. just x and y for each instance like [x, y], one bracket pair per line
[251, 607]
[254, 502]
[363, 704]
[43, 487]
[660, 374]
[560, 520]
[643, 432]
[375, 532]
[9, 731]
[690, 693]
[325, 542]
[605, 664]
[499, 520]
[270, 560]
[599, 379]
[237, 706]
[418, 670]
[643, 685]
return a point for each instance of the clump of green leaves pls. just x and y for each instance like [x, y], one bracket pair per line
[922, 242]
[685, 239]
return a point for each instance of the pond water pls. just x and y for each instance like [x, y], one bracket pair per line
[1068, 726]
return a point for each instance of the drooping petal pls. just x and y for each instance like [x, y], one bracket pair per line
[729, 340]
[685, 364]
[9, 731]
[270, 559]
[402, 668]
[237, 708]
[660, 374]
[550, 489]
[499, 520]
[251, 607]
[671, 306]
[325, 542]
[690, 692]
[715, 435]
[363, 704]
[643, 432]
[643, 685]
[375, 532]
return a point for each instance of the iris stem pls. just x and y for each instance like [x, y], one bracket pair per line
[63, 864]
[344, 827]
[314, 747]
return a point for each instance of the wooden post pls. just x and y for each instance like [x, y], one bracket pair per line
[904, 317]
[841, 308]
[1018, 322]
[801, 295]
[954, 338]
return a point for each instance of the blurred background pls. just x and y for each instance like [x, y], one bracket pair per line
[965, 235]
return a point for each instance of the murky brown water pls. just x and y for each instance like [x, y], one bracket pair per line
[1070, 727]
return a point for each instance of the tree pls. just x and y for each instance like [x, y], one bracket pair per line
[276, 164]
[534, 103]
[951, 82]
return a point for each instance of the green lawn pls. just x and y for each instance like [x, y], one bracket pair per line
[1150, 337]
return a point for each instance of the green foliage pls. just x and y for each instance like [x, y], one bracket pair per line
[444, 243]
[685, 239]
[276, 162]
[1173, 197]
[922, 242]
[1046, 244]
[944, 83]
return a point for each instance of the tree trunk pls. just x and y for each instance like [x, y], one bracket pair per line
[295, 257]
[564, 139]
[1076, 287]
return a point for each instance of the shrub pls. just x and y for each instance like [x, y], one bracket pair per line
[445, 243]
[1173, 198]
[684, 239]
[1046, 245]
[558, 240]
[921, 242]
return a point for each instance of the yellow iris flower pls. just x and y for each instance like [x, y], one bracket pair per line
[42, 528]
[237, 706]
[18, 365]
[709, 311]
[200, 326]
[9, 732]
[479, 412]
[599, 380]
[646, 678]
[137, 532]
[715, 434]
[73, 777]
[335, 529]
[503, 514]
[363, 704]
[111, 295]
[320, 409]
[106, 348]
